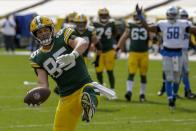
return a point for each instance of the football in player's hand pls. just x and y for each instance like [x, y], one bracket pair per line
[37, 95]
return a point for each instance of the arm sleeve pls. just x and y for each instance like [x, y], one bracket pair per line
[158, 29]
[187, 29]
[69, 33]
[32, 60]
[159, 25]
[34, 65]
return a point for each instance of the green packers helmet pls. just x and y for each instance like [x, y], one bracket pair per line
[38, 23]
[103, 15]
[80, 22]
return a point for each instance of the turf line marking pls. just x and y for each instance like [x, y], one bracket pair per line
[144, 121]
[185, 122]
[26, 126]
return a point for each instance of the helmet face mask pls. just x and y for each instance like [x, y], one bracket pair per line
[103, 15]
[172, 14]
[136, 19]
[81, 26]
[104, 18]
[80, 22]
[183, 14]
[44, 35]
[42, 29]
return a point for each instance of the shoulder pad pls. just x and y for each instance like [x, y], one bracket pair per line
[32, 59]
[190, 23]
[111, 20]
[131, 23]
[33, 54]
[67, 25]
[162, 21]
[90, 28]
[59, 33]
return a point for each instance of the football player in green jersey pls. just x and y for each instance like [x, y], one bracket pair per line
[105, 28]
[60, 57]
[85, 31]
[138, 55]
[68, 22]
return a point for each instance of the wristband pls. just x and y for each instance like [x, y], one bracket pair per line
[75, 53]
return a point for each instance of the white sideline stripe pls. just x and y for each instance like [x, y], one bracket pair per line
[25, 126]
[151, 56]
[17, 96]
[22, 53]
[185, 122]
[145, 121]
[10, 108]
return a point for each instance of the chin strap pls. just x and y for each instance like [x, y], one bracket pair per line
[46, 42]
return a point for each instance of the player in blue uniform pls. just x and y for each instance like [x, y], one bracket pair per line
[173, 31]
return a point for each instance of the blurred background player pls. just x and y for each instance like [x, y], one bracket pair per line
[138, 55]
[105, 28]
[183, 14]
[173, 31]
[8, 26]
[69, 20]
[60, 57]
[85, 31]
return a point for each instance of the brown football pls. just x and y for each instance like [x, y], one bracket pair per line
[37, 95]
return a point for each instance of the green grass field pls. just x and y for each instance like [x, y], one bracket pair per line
[119, 115]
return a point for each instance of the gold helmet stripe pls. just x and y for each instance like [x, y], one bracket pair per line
[81, 18]
[38, 21]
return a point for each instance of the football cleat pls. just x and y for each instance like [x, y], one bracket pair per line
[189, 95]
[128, 96]
[142, 98]
[88, 107]
[160, 93]
[172, 103]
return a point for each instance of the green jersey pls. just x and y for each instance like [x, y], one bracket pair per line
[69, 78]
[87, 35]
[105, 34]
[139, 38]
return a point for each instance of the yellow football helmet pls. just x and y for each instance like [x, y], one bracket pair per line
[80, 22]
[39, 22]
[70, 17]
[103, 15]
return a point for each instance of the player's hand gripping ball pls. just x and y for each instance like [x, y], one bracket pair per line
[36, 96]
